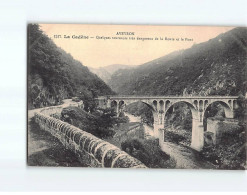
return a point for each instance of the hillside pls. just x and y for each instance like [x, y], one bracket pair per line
[101, 73]
[215, 67]
[54, 75]
[106, 72]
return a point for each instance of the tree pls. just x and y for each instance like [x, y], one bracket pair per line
[100, 123]
[240, 111]
[56, 74]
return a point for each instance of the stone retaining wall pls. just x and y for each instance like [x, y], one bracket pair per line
[218, 128]
[90, 150]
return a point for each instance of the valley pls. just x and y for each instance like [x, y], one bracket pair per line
[185, 110]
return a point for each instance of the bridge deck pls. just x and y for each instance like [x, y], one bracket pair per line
[173, 97]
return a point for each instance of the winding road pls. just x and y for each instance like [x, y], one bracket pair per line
[43, 148]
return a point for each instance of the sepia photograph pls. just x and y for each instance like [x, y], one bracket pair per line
[137, 96]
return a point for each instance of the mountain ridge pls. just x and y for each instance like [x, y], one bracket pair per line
[106, 72]
[215, 67]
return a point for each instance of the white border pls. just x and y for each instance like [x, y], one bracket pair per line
[14, 16]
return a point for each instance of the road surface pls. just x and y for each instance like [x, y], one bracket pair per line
[46, 150]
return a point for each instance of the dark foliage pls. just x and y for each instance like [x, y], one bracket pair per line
[241, 111]
[148, 152]
[229, 154]
[88, 98]
[179, 115]
[100, 123]
[55, 75]
[141, 109]
[216, 67]
[173, 137]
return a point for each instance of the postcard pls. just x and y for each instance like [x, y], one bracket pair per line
[137, 96]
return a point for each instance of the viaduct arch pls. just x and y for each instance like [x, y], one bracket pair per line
[161, 104]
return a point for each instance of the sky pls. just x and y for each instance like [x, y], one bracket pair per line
[93, 51]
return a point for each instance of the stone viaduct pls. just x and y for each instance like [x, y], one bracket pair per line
[161, 104]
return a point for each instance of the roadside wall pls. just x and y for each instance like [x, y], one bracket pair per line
[90, 150]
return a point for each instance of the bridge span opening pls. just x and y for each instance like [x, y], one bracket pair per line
[142, 110]
[161, 106]
[178, 123]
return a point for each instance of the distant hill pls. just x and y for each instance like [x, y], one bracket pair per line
[54, 75]
[215, 67]
[106, 72]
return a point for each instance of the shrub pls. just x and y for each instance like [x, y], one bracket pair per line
[99, 124]
[148, 152]
[173, 137]
[229, 154]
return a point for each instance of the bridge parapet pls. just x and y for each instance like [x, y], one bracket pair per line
[165, 102]
[161, 104]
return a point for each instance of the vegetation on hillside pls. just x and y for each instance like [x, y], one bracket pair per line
[216, 67]
[100, 123]
[141, 109]
[148, 152]
[179, 115]
[54, 75]
[229, 154]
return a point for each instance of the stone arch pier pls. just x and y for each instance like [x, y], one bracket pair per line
[161, 104]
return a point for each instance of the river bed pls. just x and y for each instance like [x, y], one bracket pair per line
[185, 157]
[148, 130]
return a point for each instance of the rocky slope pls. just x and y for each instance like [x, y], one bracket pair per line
[215, 67]
[54, 75]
